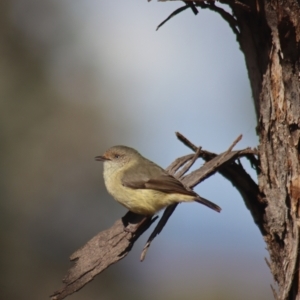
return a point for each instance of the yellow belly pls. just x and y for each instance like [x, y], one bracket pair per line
[142, 201]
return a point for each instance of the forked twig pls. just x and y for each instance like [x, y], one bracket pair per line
[173, 14]
[189, 164]
[178, 163]
[209, 168]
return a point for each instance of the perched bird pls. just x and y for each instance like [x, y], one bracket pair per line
[142, 186]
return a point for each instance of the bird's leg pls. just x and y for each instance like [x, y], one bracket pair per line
[133, 227]
[132, 221]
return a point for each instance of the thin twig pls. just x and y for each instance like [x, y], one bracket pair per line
[189, 164]
[234, 143]
[185, 141]
[173, 14]
[178, 163]
[159, 227]
[232, 22]
[192, 6]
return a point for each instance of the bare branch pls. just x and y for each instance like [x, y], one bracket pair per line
[189, 164]
[113, 244]
[162, 222]
[173, 14]
[106, 248]
[192, 6]
[223, 13]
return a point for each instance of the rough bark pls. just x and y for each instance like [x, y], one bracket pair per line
[268, 32]
[269, 37]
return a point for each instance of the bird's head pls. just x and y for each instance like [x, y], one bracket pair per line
[118, 156]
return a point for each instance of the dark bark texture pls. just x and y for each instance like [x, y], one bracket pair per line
[269, 38]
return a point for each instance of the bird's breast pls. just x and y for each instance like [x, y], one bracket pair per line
[140, 201]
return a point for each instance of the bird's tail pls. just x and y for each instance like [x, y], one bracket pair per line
[208, 203]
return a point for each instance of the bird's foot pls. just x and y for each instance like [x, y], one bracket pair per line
[133, 227]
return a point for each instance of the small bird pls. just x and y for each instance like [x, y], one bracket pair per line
[142, 186]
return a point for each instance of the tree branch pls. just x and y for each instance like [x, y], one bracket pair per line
[113, 244]
[232, 22]
[235, 173]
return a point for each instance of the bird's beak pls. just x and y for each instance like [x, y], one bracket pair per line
[101, 158]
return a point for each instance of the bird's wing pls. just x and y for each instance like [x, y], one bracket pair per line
[154, 178]
[165, 184]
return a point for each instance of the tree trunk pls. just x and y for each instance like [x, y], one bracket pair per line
[269, 34]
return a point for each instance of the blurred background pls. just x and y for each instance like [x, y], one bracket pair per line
[80, 76]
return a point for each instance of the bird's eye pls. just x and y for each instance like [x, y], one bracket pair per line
[116, 155]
